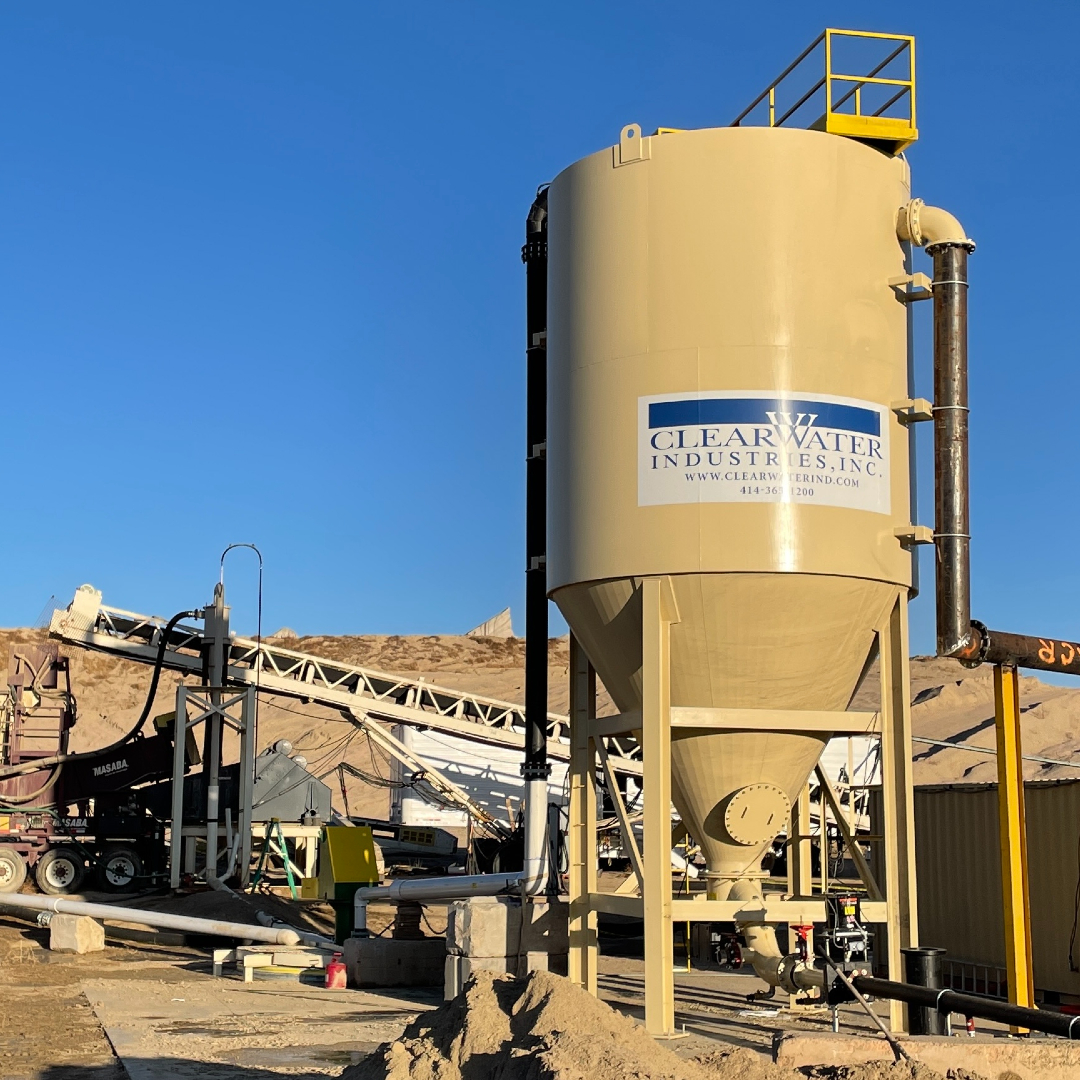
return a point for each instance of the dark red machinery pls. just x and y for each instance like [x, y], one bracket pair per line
[65, 815]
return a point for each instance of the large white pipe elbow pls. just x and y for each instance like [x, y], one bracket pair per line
[928, 226]
[534, 876]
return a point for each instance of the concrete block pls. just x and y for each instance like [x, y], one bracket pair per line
[557, 963]
[76, 934]
[376, 961]
[460, 969]
[503, 926]
[1024, 1059]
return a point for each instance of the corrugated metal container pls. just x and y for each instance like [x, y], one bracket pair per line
[959, 875]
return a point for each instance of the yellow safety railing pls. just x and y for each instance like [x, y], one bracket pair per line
[846, 111]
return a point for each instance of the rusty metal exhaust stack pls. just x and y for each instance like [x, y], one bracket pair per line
[946, 243]
[952, 529]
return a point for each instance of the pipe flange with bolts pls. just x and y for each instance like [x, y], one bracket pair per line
[930, 226]
[756, 813]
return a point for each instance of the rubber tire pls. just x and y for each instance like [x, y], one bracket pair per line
[12, 869]
[60, 855]
[111, 852]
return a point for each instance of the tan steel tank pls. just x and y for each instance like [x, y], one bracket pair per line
[724, 353]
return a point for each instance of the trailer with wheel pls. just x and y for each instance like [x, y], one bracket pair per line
[74, 819]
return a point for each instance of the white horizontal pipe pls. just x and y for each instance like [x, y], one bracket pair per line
[308, 937]
[447, 888]
[419, 889]
[160, 919]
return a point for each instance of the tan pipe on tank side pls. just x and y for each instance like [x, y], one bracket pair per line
[926, 226]
[763, 952]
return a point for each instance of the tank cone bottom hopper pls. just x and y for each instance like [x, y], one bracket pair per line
[735, 775]
[733, 788]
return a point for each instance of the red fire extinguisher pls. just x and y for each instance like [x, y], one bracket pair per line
[335, 973]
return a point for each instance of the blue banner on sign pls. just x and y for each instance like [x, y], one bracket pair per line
[693, 411]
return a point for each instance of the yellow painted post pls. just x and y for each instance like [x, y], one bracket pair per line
[828, 73]
[582, 831]
[1013, 833]
[656, 618]
[911, 77]
[898, 797]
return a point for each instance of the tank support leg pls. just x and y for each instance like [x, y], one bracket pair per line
[800, 865]
[582, 835]
[658, 612]
[1013, 832]
[898, 797]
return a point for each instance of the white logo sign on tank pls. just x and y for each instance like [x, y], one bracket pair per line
[761, 446]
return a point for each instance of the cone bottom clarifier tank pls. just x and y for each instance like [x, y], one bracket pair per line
[724, 354]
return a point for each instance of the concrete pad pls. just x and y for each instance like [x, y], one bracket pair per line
[377, 962]
[204, 1028]
[76, 934]
[996, 1058]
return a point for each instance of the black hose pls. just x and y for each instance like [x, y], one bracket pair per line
[949, 1001]
[152, 693]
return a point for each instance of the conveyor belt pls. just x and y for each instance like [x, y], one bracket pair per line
[398, 700]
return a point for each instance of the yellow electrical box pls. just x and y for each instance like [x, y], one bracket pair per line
[346, 863]
[346, 857]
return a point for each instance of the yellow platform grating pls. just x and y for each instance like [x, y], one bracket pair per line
[867, 90]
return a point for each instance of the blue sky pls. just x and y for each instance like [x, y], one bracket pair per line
[259, 280]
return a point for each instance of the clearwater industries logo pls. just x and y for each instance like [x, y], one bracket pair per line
[756, 447]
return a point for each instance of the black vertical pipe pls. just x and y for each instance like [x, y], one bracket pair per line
[952, 530]
[535, 257]
[922, 967]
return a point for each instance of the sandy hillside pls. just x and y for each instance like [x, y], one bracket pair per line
[950, 703]
[111, 693]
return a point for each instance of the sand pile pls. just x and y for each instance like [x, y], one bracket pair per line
[880, 1070]
[538, 1028]
[545, 1028]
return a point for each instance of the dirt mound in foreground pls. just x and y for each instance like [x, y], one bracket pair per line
[545, 1028]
